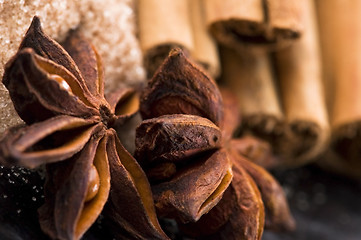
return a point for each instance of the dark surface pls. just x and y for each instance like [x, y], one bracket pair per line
[21, 193]
[325, 206]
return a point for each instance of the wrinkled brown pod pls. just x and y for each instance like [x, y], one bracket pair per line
[173, 138]
[239, 215]
[182, 144]
[199, 177]
[195, 189]
[181, 87]
[210, 223]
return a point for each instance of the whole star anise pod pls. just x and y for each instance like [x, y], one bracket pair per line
[178, 144]
[185, 145]
[58, 91]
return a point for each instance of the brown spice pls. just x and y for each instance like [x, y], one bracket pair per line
[184, 111]
[180, 87]
[190, 142]
[58, 91]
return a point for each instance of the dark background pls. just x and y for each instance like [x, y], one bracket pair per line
[325, 205]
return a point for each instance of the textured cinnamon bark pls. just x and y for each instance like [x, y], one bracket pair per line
[256, 22]
[225, 18]
[299, 72]
[163, 25]
[340, 26]
[205, 51]
[250, 76]
[285, 18]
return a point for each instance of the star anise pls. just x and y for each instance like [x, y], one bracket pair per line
[58, 91]
[185, 145]
[181, 152]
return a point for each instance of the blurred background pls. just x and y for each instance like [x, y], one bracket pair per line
[294, 66]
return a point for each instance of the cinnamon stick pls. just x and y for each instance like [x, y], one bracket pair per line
[340, 30]
[205, 50]
[300, 76]
[285, 19]
[268, 23]
[250, 76]
[163, 25]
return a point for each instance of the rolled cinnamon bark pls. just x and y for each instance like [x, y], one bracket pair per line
[285, 19]
[250, 76]
[340, 30]
[163, 25]
[300, 76]
[205, 51]
[257, 22]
